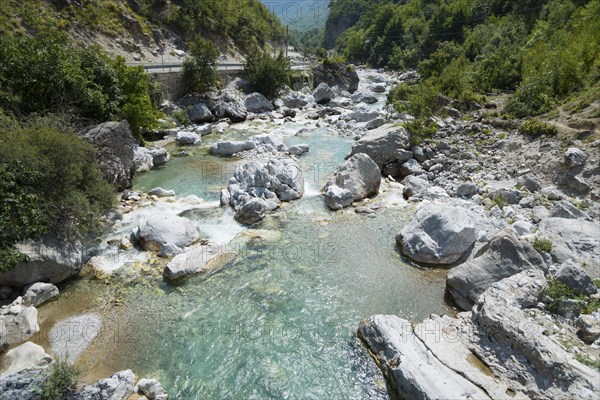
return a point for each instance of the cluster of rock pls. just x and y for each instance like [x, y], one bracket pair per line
[259, 146]
[496, 350]
[27, 383]
[259, 187]
[484, 213]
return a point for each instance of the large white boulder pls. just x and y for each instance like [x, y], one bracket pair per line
[359, 175]
[27, 355]
[39, 293]
[257, 103]
[229, 148]
[158, 230]
[438, 234]
[505, 255]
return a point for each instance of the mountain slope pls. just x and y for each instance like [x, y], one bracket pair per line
[143, 29]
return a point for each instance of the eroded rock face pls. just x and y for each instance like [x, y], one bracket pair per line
[158, 230]
[504, 256]
[498, 348]
[409, 366]
[438, 234]
[337, 74]
[50, 260]
[573, 239]
[115, 151]
[359, 175]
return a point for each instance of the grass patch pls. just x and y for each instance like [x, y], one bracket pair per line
[558, 291]
[587, 361]
[542, 245]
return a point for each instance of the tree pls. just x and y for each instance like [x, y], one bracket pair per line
[47, 184]
[21, 216]
[199, 70]
[265, 73]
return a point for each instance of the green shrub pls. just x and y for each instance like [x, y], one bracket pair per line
[49, 73]
[182, 117]
[542, 245]
[558, 291]
[266, 74]
[533, 127]
[199, 70]
[49, 182]
[60, 381]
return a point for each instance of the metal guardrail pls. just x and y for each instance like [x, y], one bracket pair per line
[168, 67]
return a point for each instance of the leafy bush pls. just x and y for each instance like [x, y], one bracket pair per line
[182, 117]
[535, 128]
[60, 382]
[266, 74]
[49, 73]
[542, 245]
[48, 182]
[199, 71]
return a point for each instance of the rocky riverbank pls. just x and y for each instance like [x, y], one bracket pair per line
[506, 214]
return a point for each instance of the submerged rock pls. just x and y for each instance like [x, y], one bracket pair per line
[437, 234]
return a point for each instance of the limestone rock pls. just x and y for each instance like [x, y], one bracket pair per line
[158, 230]
[39, 293]
[437, 234]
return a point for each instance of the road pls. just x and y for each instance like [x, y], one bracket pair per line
[159, 68]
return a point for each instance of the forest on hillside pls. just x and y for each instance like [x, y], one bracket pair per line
[543, 50]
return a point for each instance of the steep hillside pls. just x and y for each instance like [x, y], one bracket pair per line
[545, 51]
[300, 15]
[142, 30]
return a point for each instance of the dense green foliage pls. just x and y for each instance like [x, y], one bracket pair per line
[48, 73]
[266, 74]
[48, 183]
[199, 70]
[307, 41]
[544, 50]
[246, 22]
[21, 216]
[60, 381]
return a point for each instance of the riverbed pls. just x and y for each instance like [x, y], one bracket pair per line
[279, 319]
